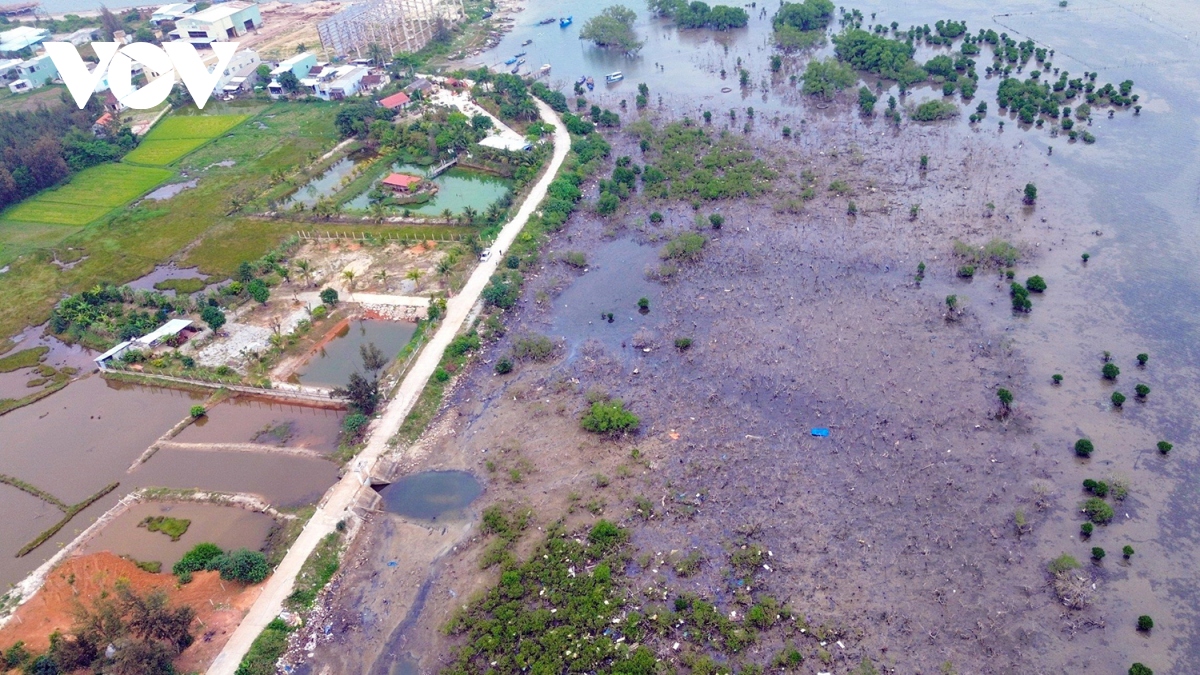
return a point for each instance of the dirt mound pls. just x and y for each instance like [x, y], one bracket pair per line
[219, 605]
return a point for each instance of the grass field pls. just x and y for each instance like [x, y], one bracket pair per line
[51, 213]
[131, 243]
[194, 126]
[163, 152]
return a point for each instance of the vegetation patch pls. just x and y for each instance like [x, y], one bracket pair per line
[176, 127]
[26, 358]
[266, 649]
[181, 286]
[318, 569]
[172, 527]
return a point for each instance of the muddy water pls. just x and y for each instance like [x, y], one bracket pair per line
[246, 419]
[227, 527]
[324, 185]
[457, 190]
[75, 442]
[612, 283]
[335, 360]
[168, 191]
[60, 354]
[431, 495]
[163, 273]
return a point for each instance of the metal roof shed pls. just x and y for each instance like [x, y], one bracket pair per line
[168, 329]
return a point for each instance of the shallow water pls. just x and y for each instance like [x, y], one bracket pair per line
[170, 190]
[77, 441]
[226, 526]
[163, 273]
[431, 495]
[613, 282]
[246, 419]
[324, 185]
[457, 190]
[332, 364]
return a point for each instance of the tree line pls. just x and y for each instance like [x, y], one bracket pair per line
[40, 148]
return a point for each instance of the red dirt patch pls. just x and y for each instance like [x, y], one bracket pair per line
[219, 605]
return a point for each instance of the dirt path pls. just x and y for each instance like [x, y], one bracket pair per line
[337, 502]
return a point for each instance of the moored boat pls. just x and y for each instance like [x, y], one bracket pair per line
[510, 61]
[526, 43]
[591, 84]
[565, 21]
[614, 77]
[543, 22]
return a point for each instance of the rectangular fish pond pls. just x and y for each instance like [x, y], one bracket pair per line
[458, 189]
[331, 364]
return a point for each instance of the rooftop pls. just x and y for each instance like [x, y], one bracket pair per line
[218, 12]
[394, 101]
[401, 180]
[21, 37]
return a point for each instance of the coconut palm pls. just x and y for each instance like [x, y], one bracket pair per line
[470, 214]
[382, 276]
[305, 269]
[378, 211]
[349, 275]
[377, 54]
[444, 266]
[415, 276]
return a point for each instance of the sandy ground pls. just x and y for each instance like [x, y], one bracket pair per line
[289, 28]
[897, 530]
[219, 606]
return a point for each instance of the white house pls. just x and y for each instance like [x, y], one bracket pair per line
[242, 59]
[299, 65]
[347, 84]
[22, 37]
[226, 21]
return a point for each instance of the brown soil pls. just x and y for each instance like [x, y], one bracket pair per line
[219, 605]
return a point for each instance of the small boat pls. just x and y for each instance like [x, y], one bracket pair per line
[545, 69]
[543, 22]
[582, 79]
[516, 69]
[564, 22]
[526, 43]
[591, 84]
[510, 61]
[519, 54]
[520, 62]
[614, 77]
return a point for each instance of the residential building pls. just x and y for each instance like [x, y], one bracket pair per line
[395, 102]
[242, 59]
[373, 83]
[402, 182]
[219, 23]
[347, 84]
[299, 65]
[36, 72]
[242, 81]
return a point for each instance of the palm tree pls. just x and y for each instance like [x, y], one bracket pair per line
[305, 268]
[349, 275]
[377, 54]
[378, 211]
[382, 276]
[415, 275]
[447, 214]
[470, 214]
[444, 266]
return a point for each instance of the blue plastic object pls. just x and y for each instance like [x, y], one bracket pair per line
[822, 432]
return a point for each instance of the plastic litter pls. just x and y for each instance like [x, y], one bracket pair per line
[820, 432]
[392, 563]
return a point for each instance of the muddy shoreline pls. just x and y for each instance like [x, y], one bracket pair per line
[899, 527]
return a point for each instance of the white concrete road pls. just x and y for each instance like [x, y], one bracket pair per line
[344, 494]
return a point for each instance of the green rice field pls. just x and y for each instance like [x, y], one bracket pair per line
[88, 195]
[176, 127]
[161, 152]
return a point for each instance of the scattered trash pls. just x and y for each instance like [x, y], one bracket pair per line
[821, 432]
[392, 563]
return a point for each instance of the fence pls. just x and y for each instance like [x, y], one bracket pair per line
[201, 379]
[404, 237]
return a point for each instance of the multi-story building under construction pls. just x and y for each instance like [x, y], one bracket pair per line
[396, 25]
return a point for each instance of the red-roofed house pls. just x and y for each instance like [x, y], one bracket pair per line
[402, 182]
[397, 101]
[100, 126]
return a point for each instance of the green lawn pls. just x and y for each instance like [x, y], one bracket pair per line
[163, 152]
[105, 185]
[175, 127]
